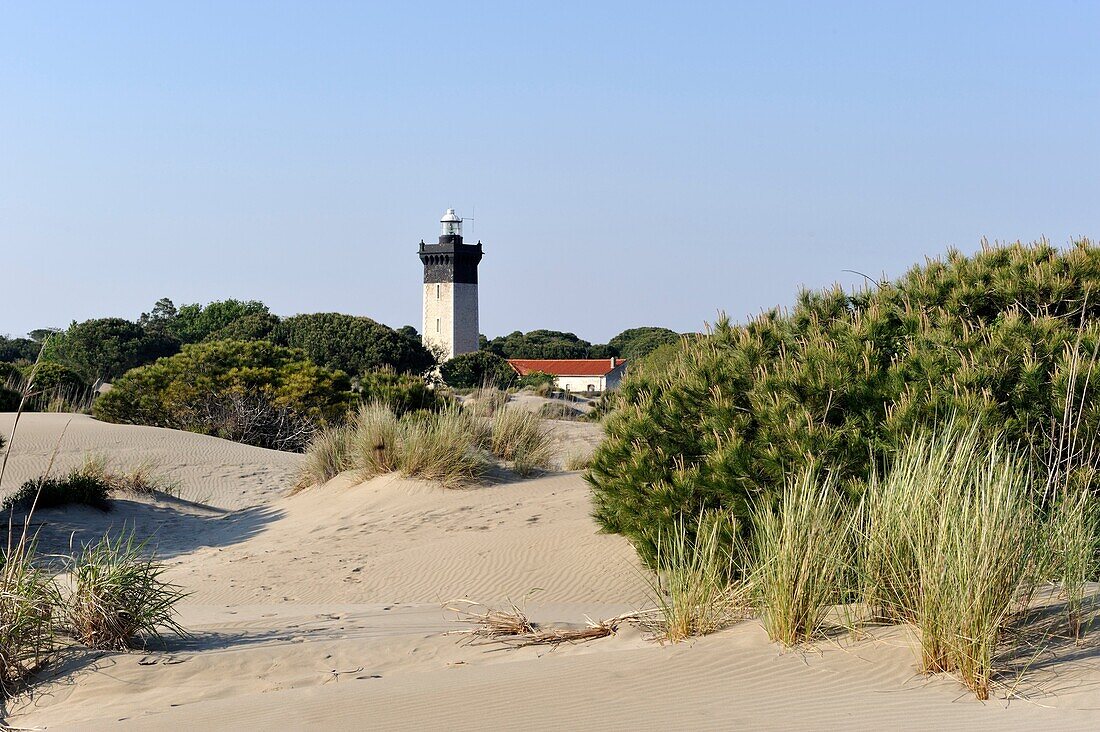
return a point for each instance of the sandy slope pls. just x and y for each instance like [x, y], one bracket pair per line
[322, 610]
[212, 471]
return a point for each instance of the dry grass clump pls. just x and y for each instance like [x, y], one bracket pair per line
[374, 440]
[141, 479]
[439, 447]
[118, 597]
[577, 461]
[486, 401]
[802, 558]
[523, 439]
[450, 446]
[1073, 541]
[691, 585]
[327, 455]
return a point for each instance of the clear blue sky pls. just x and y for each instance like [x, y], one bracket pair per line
[630, 164]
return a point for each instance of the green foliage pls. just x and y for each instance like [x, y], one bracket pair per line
[253, 392]
[17, 349]
[634, 343]
[472, 370]
[843, 379]
[545, 344]
[73, 489]
[535, 380]
[9, 402]
[194, 323]
[252, 327]
[352, 344]
[401, 392]
[106, 348]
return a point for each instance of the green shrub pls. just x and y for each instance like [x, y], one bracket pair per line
[253, 392]
[118, 598]
[536, 380]
[634, 343]
[354, 345]
[73, 489]
[222, 320]
[9, 401]
[402, 392]
[477, 369]
[17, 349]
[545, 344]
[843, 379]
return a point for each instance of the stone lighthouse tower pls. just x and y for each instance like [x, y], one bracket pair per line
[450, 290]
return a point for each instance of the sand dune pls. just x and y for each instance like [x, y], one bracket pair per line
[323, 610]
[215, 472]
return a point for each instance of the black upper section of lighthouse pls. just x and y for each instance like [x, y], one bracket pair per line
[450, 260]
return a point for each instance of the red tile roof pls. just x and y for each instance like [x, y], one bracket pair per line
[565, 366]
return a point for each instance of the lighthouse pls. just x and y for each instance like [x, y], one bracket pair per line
[450, 326]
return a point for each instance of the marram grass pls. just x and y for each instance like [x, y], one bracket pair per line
[692, 584]
[118, 598]
[802, 558]
[951, 539]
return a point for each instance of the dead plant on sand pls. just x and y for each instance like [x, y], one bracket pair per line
[511, 626]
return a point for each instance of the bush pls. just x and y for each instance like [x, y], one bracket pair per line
[634, 343]
[118, 597]
[252, 392]
[843, 379]
[540, 382]
[480, 368]
[222, 320]
[402, 392]
[9, 402]
[354, 345]
[18, 349]
[74, 489]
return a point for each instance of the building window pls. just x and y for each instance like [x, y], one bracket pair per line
[437, 325]
[437, 292]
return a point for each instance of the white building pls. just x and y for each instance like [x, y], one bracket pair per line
[577, 375]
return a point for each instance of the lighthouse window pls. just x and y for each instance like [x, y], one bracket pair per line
[437, 325]
[437, 292]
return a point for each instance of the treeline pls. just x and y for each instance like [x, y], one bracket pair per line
[236, 370]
